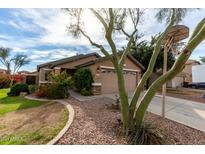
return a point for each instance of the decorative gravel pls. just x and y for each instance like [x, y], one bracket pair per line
[176, 133]
[94, 124]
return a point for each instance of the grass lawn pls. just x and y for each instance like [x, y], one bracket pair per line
[24, 121]
[9, 104]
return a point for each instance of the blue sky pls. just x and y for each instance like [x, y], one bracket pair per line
[41, 33]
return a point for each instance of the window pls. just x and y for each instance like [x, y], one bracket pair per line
[47, 73]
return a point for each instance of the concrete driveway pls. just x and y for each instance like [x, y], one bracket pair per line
[189, 113]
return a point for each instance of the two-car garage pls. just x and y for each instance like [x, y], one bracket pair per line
[109, 80]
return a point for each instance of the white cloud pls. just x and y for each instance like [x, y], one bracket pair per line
[19, 50]
[54, 54]
[50, 24]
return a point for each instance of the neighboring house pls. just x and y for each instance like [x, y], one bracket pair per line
[103, 72]
[28, 77]
[3, 71]
[185, 77]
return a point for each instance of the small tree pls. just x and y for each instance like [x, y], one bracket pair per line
[18, 61]
[115, 20]
[4, 58]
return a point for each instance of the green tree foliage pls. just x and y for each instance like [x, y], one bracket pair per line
[143, 52]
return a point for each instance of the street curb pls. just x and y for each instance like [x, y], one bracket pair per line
[67, 125]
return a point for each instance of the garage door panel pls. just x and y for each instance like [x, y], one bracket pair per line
[110, 85]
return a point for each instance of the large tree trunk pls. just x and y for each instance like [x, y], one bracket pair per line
[124, 104]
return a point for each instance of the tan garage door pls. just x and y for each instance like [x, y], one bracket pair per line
[109, 81]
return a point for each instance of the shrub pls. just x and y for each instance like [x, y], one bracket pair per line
[83, 79]
[147, 134]
[58, 88]
[56, 91]
[4, 81]
[85, 92]
[17, 89]
[63, 79]
[32, 88]
[42, 90]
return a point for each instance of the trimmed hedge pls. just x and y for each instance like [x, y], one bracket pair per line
[83, 80]
[57, 91]
[17, 89]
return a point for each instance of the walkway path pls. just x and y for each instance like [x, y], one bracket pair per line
[189, 113]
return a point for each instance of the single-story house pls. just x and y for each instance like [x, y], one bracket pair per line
[103, 72]
[185, 77]
[28, 77]
[3, 71]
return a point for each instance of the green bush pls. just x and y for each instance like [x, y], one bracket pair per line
[63, 79]
[42, 90]
[32, 88]
[58, 88]
[85, 92]
[83, 79]
[57, 91]
[17, 89]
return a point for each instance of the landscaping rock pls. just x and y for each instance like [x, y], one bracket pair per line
[94, 123]
[23, 94]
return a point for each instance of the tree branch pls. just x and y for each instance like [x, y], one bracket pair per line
[129, 45]
[100, 18]
[197, 29]
[103, 50]
[108, 35]
[151, 65]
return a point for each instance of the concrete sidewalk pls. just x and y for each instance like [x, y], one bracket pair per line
[187, 112]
